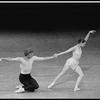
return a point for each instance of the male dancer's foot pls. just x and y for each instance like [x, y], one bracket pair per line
[17, 87]
[20, 90]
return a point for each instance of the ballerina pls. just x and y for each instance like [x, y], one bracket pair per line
[73, 62]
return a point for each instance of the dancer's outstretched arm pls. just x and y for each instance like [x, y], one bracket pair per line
[10, 59]
[67, 51]
[87, 36]
[44, 58]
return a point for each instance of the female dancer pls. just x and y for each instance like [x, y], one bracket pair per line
[73, 62]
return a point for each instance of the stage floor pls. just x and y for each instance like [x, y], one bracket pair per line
[45, 72]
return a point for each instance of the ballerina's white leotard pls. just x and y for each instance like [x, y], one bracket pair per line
[74, 60]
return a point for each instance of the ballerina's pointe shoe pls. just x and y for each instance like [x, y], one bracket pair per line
[50, 86]
[76, 89]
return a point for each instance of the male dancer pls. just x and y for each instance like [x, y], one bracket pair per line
[29, 83]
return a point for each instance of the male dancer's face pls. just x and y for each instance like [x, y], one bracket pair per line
[30, 55]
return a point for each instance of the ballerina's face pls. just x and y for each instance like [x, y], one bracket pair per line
[82, 44]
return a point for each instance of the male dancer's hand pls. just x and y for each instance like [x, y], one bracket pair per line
[92, 31]
[55, 55]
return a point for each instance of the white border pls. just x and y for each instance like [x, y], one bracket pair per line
[49, 1]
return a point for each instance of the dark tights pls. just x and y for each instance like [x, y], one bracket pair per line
[29, 83]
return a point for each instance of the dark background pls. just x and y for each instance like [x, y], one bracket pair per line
[48, 27]
[49, 16]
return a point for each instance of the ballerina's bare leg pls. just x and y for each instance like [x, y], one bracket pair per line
[79, 71]
[66, 67]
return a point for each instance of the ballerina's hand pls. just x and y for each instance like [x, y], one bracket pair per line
[0, 59]
[92, 31]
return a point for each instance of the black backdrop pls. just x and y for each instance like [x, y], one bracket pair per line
[49, 16]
